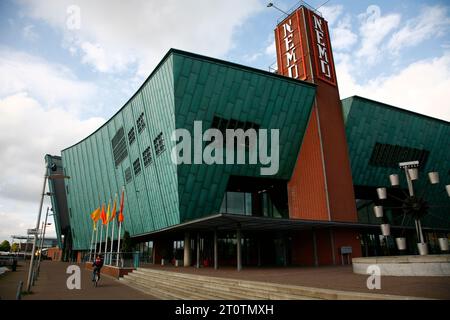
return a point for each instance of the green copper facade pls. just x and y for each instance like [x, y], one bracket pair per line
[380, 135]
[183, 88]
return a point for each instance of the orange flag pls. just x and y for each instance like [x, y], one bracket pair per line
[95, 215]
[121, 207]
[113, 213]
[103, 214]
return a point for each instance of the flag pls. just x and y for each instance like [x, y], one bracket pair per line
[113, 213]
[108, 213]
[103, 214]
[121, 207]
[95, 215]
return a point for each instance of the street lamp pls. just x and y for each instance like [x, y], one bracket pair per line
[270, 4]
[36, 230]
[44, 227]
[412, 205]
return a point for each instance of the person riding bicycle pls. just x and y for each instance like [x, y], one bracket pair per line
[97, 266]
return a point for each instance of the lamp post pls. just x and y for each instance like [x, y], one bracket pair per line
[412, 205]
[44, 227]
[271, 5]
[36, 230]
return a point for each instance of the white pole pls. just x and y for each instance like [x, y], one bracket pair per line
[30, 268]
[101, 235]
[92, 242]
[112, 238]
[118, 245]
[96, 237]
[106, 238]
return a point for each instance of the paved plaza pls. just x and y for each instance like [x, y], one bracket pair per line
[52, 282]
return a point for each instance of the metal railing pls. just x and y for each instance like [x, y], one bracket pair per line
[121, 259]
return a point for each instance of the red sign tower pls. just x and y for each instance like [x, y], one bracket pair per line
[321, 186]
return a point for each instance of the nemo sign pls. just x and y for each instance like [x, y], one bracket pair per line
[290, 56]
[322, 48]
[304, 32]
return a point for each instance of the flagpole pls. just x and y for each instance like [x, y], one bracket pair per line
[96, 236]
[101, 235]
[107, 229]
[118, 245]
[92, 242]
[112, 232]
[120, 219]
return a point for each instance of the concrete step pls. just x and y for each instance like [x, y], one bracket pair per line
[161, 291]
[248, 289]
[272, 290]
[224, 288]
[205, 290]
[151, 291]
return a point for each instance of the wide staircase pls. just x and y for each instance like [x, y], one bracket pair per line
[169, 285]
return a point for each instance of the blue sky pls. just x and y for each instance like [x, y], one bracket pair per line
[58, 84]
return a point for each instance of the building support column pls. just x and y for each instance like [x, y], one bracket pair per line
[333, 249]
[187, 250]
[238, 248]
[316, 257]
[197, 264]
[216, 254]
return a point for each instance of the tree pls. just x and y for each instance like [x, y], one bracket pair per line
[15, 247]
[127, 244]
[5, 246]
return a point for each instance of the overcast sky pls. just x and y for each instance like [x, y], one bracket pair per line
[59, 83]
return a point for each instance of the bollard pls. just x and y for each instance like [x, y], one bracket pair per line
[19, 291]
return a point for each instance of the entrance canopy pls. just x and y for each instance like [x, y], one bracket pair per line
[231, 222]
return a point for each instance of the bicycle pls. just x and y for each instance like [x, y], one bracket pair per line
[96, 277]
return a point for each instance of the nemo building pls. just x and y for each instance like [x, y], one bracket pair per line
[316, 207]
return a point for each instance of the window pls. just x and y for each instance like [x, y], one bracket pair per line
[159, 144]
[237, 203]
[119, 147]
[223, 124]
[388, 155]
[128, 174]
[140, 123]
[131, 136]
[136, 166]
[147, 157]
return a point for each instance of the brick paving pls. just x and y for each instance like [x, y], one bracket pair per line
[332, 277]
[51, 285]
[52, 282]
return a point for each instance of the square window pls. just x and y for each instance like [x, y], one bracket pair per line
[140, 123]
[136, 166]
[131, 136]
[147, 157]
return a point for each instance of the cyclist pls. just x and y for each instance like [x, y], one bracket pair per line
[97, 265]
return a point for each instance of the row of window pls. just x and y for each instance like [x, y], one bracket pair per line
[147, 157]
[140, 124]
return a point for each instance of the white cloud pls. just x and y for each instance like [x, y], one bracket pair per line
[29, 33]
[407, 89]
[29, 131]
[271, 49]
[50, 84]
[373, 29]
[432, 22]
[331, 13]
[141, 32]
[342, 36]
